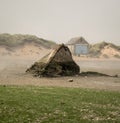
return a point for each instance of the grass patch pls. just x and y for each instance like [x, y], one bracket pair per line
[56, 105]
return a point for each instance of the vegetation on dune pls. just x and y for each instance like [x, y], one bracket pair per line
[15, 40]
[95, 50]
[19, 39]
[116, 56]
[56, 105]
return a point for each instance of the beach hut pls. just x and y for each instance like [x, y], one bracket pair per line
[78, 46]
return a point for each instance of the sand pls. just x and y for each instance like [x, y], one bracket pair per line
[12, 72]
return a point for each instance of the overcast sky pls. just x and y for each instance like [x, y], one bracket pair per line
[61, 20]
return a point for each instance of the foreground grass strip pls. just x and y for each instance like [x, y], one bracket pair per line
[56, 105]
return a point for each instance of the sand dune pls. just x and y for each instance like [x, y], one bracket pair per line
[36, 50]
[109, 51]
[27, 50]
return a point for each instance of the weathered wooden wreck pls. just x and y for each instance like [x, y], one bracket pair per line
[57, 63]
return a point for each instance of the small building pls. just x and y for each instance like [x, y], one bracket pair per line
[78, 46]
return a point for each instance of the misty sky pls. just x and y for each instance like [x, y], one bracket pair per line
[61, 20]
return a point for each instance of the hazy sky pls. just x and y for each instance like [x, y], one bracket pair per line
[60, 20]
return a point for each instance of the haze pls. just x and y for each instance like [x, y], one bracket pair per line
[60, 20]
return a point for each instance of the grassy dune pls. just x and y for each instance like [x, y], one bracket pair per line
[20, 39]
[95, 50]
[31, 104]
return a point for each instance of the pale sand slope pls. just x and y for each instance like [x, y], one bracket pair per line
[109, 51]
[27, 50]
[34, 49]
[12, 72]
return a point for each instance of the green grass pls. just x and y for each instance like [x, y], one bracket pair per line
[58, 105]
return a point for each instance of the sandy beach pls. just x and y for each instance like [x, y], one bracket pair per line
[12, 72]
